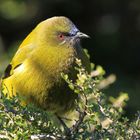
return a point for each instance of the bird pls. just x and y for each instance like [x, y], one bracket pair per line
[34, 74]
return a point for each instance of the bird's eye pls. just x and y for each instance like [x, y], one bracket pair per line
[61, 37]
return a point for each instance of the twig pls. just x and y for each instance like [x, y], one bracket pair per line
[82, 115]
[70, 132]
[107, 81]
[66, 129]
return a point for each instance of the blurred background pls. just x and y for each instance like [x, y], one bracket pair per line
[114, 27]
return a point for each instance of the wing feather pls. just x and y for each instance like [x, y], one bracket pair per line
[21, 55]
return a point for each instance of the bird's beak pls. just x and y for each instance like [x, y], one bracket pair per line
[81, 35]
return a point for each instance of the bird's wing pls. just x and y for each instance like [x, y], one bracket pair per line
[21, 55]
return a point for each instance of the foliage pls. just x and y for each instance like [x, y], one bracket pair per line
[18, 122]
[97, 117]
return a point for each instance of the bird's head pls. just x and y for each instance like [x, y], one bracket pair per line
[59, 31]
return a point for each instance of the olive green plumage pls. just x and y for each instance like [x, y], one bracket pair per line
[35, 71]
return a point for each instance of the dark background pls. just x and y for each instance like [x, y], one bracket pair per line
[114, 27]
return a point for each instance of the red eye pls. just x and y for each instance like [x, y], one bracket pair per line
[61, 37]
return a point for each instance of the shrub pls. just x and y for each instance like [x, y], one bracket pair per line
[97, 117]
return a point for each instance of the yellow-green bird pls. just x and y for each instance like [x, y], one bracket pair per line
[35, 71]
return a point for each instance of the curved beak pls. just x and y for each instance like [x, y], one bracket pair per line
[81, 35]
